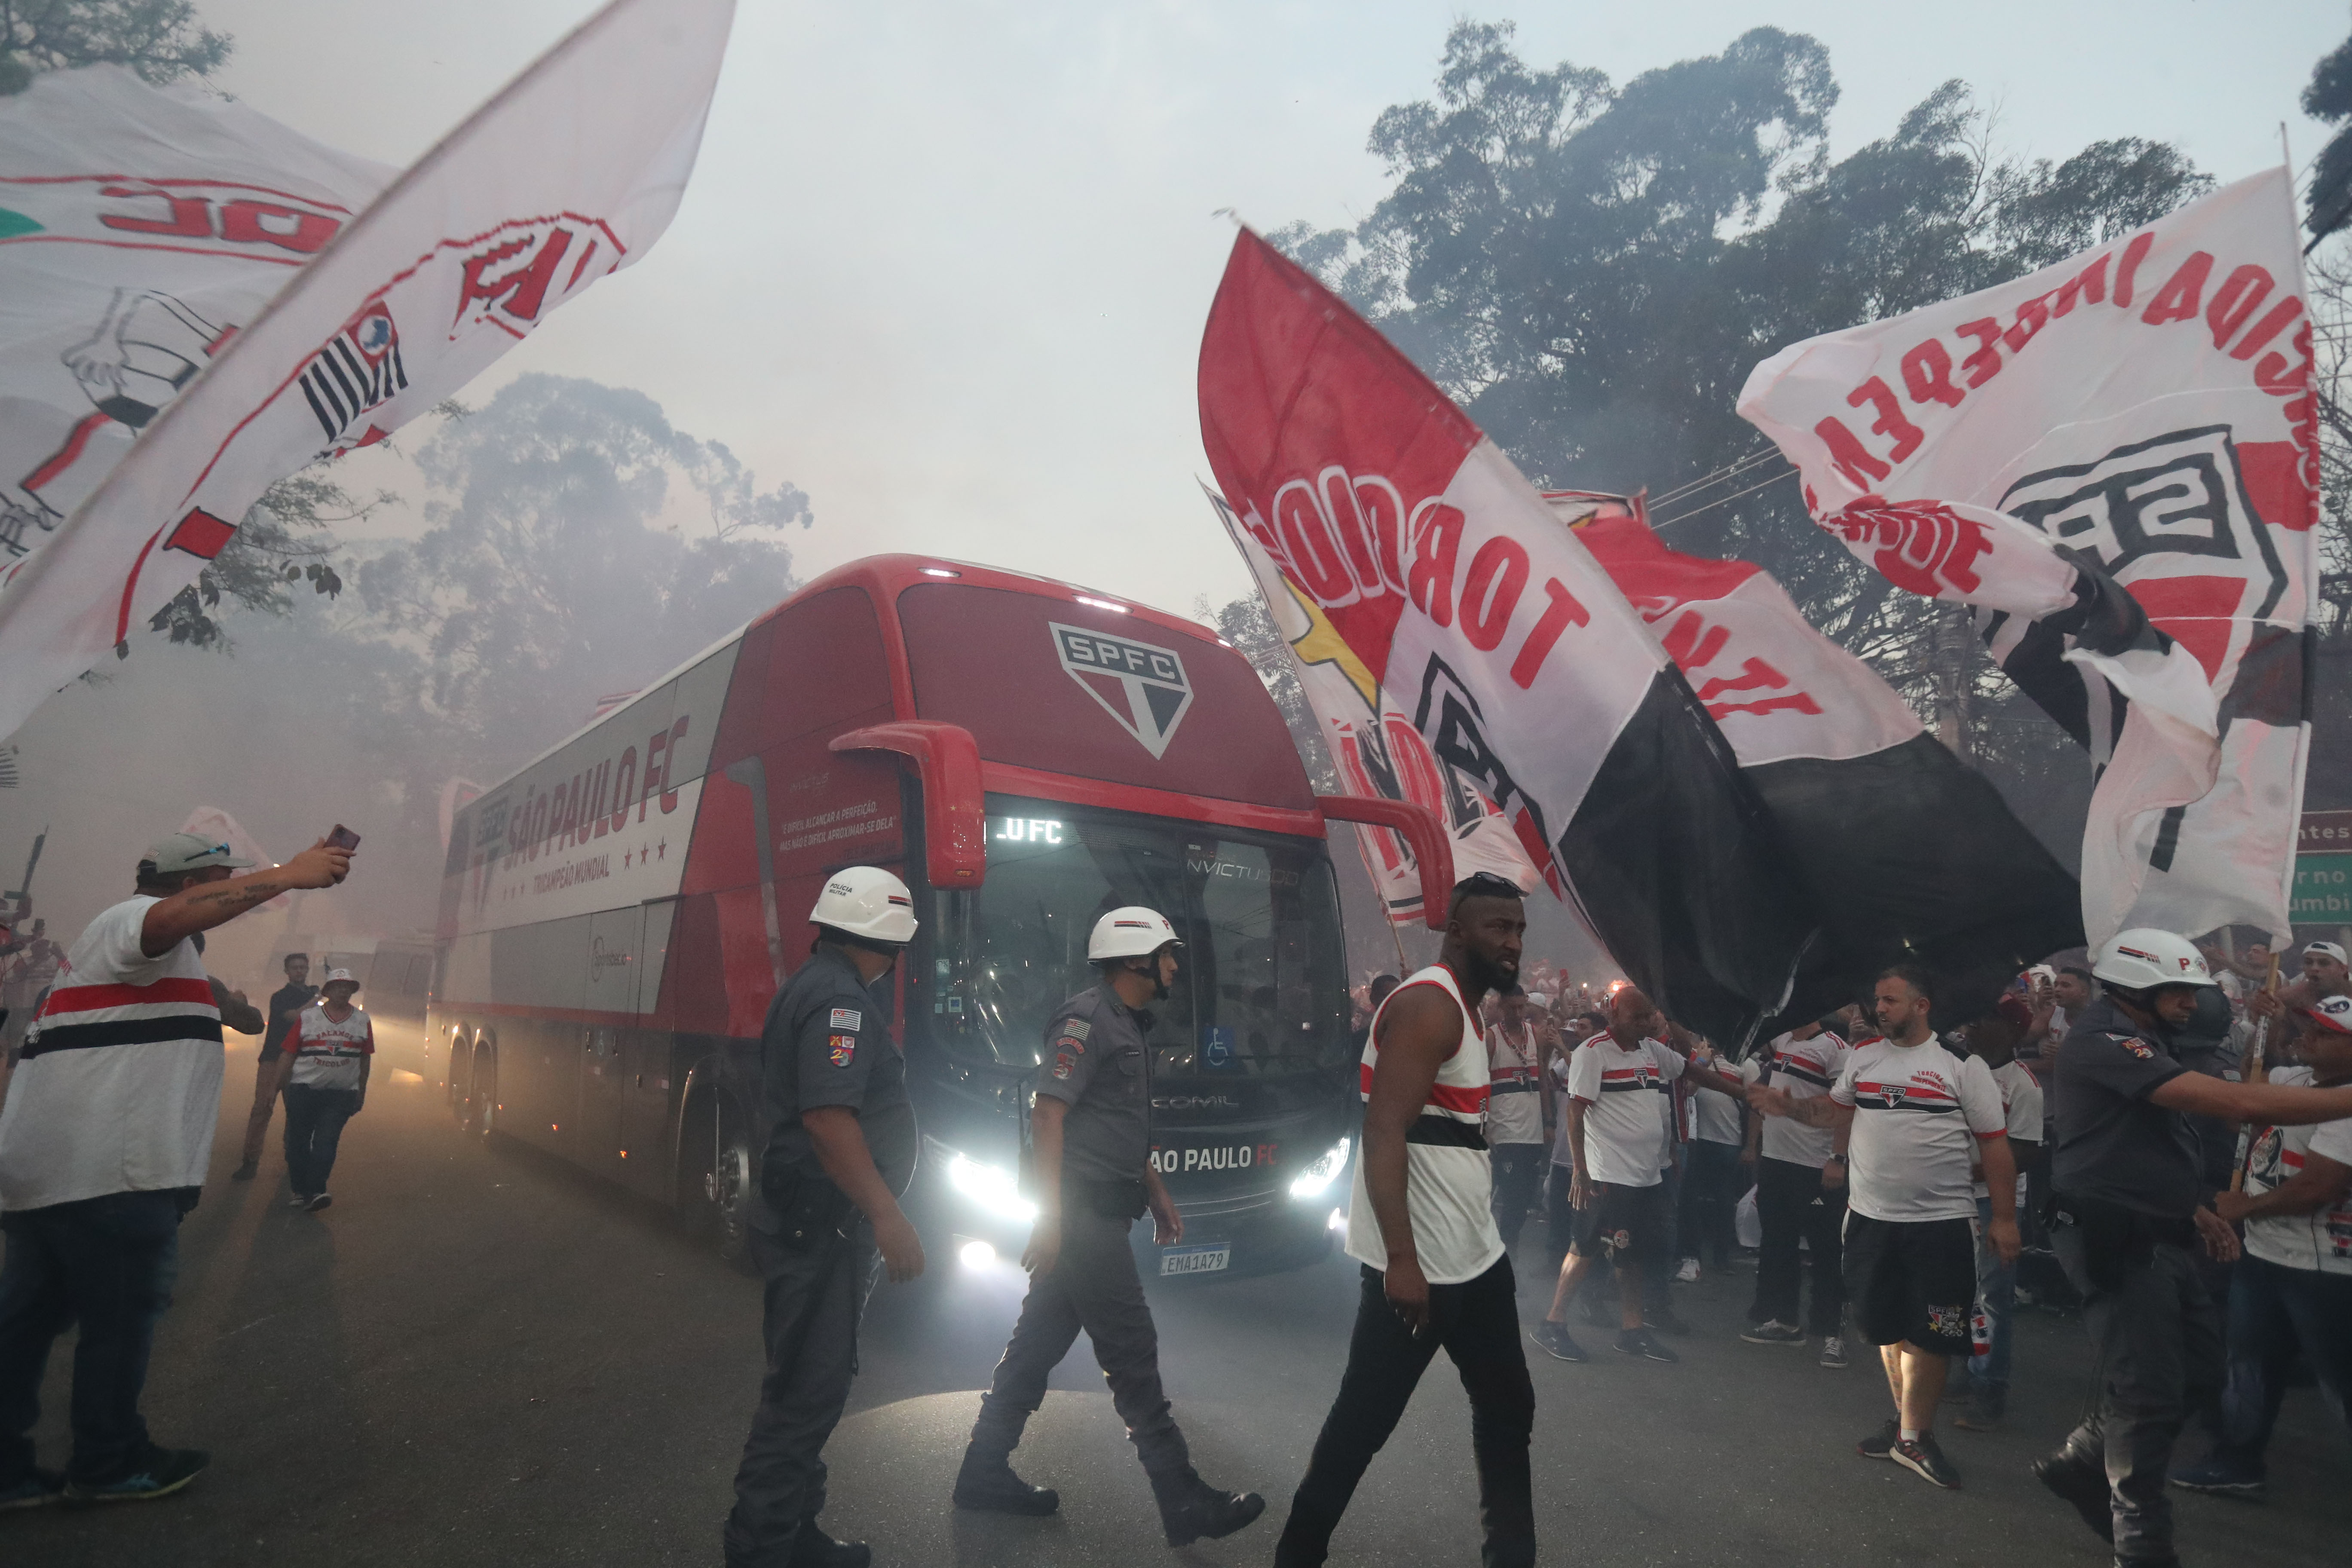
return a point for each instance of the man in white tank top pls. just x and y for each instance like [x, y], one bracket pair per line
[1419, 1222]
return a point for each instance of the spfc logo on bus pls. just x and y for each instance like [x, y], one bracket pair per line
[1140, 684]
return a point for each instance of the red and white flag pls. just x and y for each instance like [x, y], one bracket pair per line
[2142, 412]
[1378, 752]
[1493, 632]
[141, 229]
[564, 177]
[1906, 853]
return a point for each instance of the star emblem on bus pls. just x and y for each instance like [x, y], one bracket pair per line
[1140, 684]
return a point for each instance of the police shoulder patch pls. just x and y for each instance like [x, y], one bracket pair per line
[1074, 1042]
[1079, 1028]
[2139, 1048]
[1064, 1065]
[842, 1049]
[848, 1019]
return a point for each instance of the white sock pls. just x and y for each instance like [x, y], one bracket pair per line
[1910, 1436]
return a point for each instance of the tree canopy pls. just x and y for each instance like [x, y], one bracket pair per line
[162, 40]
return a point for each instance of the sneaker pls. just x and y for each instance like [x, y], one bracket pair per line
[298, 1201]
[1986, 1414]
[1880, 1445]
[321, 1201]
[164, 1471]
[1664, 1320]
[1832, 1350]
[245, 1173]
[1688, 1272]
[1642, 1344]
[2082, 1485]
[37, 1491]
[1771, 1333]
[2220, 1477]
[1924, 1458]
[1557, 1341]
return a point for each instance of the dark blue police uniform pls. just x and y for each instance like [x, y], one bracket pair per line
[822, 1044]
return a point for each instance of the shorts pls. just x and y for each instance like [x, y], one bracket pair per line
[1628, 1223]
[1912, 1282]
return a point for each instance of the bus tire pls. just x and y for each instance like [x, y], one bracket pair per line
[715, 1169]
[453, 1075]
[481, 1101]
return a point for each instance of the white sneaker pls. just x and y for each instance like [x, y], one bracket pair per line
[1688, 1272]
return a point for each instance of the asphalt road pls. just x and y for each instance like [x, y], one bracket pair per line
[478, 1360]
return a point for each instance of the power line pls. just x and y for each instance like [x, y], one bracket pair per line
[1726, 500]
[1719, 476]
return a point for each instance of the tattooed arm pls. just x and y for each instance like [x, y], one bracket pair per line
[201, 906]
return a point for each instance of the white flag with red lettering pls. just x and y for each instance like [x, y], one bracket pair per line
[564, 177]
[1500, 639]
[1378, 753]
[140, 227]
[2142, 412]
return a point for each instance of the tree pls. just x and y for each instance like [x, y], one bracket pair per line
[1591, 272]
[284, 540]
[162, 40]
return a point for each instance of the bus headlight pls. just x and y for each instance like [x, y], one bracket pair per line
[1316, 1178]
[990, 1187]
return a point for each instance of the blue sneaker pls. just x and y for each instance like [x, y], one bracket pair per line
[162, 1473]
[2220, 1477]
[37, 1491]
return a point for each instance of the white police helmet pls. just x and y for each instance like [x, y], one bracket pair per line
[1131, 932]
[868, 902]
[2144, 957]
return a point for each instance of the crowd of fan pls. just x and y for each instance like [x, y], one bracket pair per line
[1721, 1184]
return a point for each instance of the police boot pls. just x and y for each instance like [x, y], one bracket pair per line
[1192, 1509]
[987, 1482]
[813, 1548]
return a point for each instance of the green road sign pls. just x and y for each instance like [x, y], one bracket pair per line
[2322, 891]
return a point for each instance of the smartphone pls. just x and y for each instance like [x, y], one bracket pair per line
[342, 838]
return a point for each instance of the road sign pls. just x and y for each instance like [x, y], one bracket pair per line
[2323, 889]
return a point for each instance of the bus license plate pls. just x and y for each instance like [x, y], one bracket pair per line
[1195, 1260]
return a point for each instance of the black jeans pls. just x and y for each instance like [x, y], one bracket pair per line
[2274, 1311]
[810, 1306]
[2156, 1338]
[1477, 1324]
[1794, 1206]
[1710, 1197]
[314, 1131]
[1519, 1176]
[108, 1264]
[1092, 1287]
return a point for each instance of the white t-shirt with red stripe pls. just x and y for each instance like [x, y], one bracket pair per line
[1801, 1070]
[1626, 1095]
[1448, 1187]
[1515, 1095]
[326, 1054]
[120, 1084]
[2274, 1156]
[1918, 1110]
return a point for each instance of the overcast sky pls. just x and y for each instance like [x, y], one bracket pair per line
[945, 266]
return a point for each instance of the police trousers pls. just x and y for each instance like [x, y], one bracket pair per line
[2155, 1342]
[812, 1302]
[1094, 1287]
[1476, 1322]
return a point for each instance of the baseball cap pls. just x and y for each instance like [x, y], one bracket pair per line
[344, 975]
[1537, 999]
[186, 852]
[2333, 1013]
[2329, 948]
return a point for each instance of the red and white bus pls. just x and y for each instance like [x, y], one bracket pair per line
[616, 916]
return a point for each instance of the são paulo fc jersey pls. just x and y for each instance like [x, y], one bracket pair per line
[1623, 1093]
[2322, 1239]
[328, 1053]
[1918, 1111]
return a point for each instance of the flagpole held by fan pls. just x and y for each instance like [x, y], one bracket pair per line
[2255, 1071]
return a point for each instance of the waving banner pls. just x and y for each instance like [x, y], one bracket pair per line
[1378, 752]
[140, 228]
[1494, 632]
[2142, 413]
[566, 176]
[1906, 852]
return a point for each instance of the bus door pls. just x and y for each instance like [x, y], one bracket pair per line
[615, 944]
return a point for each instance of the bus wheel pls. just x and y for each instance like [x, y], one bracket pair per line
[452, 1087]
[718, 1176]
[481, 1102]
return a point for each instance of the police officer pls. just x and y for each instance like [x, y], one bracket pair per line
[840, 1149]
[2130, 1206]
[1091, 1146]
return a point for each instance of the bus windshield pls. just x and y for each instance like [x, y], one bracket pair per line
[1261, 988]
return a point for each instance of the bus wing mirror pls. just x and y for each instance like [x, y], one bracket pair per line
[1433, 851]
[955, 813]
